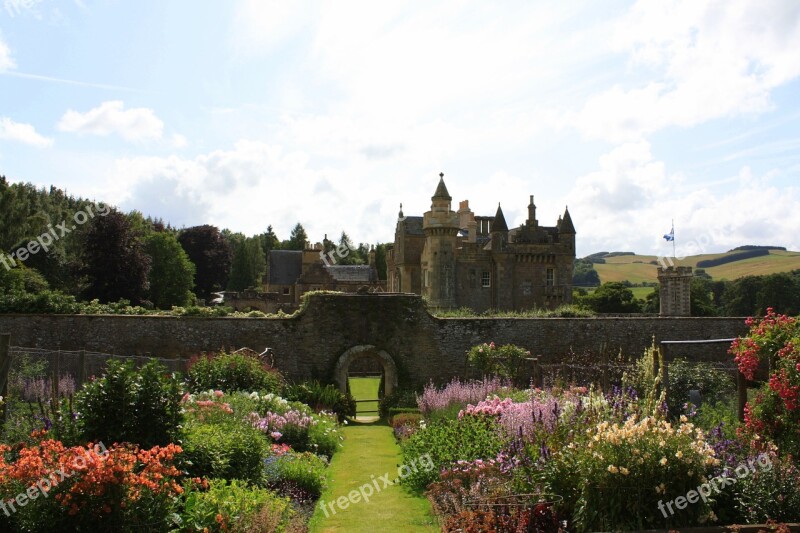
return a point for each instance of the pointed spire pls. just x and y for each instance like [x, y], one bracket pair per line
[400, 214]
[499, 223]
[566, 223]
[441, 189]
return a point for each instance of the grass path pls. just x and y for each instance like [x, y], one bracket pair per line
[369, 452]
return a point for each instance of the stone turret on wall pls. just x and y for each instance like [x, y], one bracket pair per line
[675, 285]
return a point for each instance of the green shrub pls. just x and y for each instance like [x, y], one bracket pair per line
[770, 491]
[234, 506]
[231, 372]
[300, 474]
[448, 441]
[232, 450]
[322, 398]
[507, 361]
[713, 383]
[613, 477]
[129, 405]
[400, 398]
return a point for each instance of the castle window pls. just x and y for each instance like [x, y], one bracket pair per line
[486, 279]
[551, 275]
[286, 290]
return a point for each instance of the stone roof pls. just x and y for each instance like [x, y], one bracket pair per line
[566, 223]
[356, 273]
[441, 190]
[285, 266]
[499, 223]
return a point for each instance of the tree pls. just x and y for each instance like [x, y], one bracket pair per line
[350, 255]
[211, 255]
[380, 261]
[612, 297]
[298, 238]
[584, 274]
[248, 265]
[171, 273]
[114, 260]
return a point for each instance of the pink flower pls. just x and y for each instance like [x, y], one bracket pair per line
[276, 435]
[218, 393]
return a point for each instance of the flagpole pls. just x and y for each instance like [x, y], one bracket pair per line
[673, 238]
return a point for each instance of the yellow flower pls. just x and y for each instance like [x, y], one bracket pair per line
[613, 469]
[679, 454]
[663, 461]
[624, 471]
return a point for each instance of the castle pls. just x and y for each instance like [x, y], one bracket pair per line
[457, 259]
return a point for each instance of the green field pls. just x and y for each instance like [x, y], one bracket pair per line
[365, 389]
[638, 268]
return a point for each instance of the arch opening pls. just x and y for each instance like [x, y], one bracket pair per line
[367, 362]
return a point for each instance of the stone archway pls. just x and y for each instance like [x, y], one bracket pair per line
[357, 352]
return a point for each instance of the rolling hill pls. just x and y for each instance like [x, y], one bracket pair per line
[640, 268]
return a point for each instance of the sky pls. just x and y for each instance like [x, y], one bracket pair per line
[249, 113]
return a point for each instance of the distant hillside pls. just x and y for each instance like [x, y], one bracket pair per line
[642, 268]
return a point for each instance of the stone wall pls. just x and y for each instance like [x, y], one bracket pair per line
[310, 344]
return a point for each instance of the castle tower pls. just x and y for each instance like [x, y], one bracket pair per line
[441, 226]
[675, 284]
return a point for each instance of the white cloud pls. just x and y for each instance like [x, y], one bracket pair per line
[260, 25]
[16, 7]
[135, 124]
[701, 59]
[24, 133]
[631, 200]
[179, 141]
[6, 61]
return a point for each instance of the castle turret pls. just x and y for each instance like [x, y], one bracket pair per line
[674, 291]
[441, 226]
[499, 230]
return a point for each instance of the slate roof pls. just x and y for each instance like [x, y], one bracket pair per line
[566, 223]
[285, 266]
[413, 226]
[363, 273]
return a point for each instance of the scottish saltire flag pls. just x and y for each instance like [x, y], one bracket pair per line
[671, 235]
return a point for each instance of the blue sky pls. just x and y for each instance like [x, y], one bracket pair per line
[248, 113]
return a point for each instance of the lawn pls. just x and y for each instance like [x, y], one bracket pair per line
[369, 453]
[365, 389]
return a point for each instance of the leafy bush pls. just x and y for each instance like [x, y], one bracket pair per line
[398, 399]
[231, 372]
[231, 450]
[234, 506]
[322, 398]
[122, 488]
[405, 424]
[507, 361]
[607, 480]
[770, 493]
[300, 475]
[774, 413]
[293, 423]
[714, 384]
[448, 441]
[129, 405]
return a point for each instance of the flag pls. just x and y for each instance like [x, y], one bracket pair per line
[671, 235]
